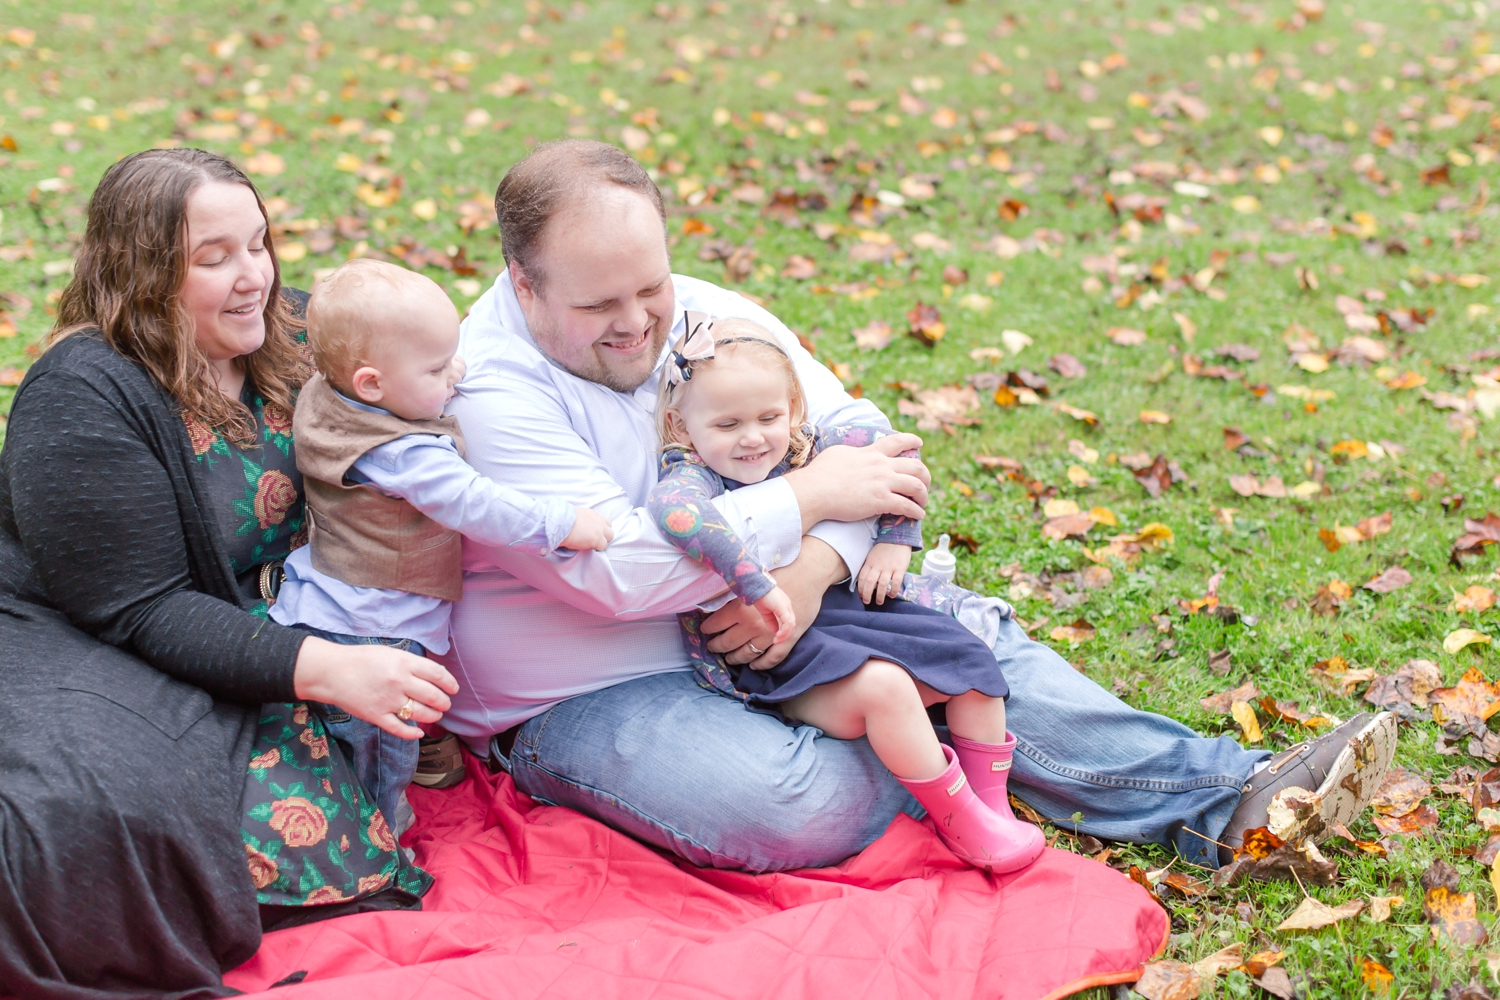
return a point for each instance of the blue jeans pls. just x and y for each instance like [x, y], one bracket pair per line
[384, 764]
[698, 774]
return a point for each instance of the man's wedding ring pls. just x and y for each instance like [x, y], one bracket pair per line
[404, 712]
[754, 648]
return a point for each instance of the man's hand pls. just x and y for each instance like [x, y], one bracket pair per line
[851, 484]
[880, 577]
[736, 627]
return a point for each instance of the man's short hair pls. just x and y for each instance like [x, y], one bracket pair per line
[346, 310]
[536, 189]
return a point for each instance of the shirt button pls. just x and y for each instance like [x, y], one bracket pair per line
[777, 560]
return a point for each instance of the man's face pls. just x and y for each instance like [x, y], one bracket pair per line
[604, 310]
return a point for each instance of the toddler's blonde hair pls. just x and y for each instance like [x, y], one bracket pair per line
[732, 334]
[348, 309]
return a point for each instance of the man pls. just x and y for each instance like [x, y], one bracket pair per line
[572, 670]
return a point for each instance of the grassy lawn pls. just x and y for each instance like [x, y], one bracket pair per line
[1139, 185]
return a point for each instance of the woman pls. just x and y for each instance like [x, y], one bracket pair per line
[164, 791]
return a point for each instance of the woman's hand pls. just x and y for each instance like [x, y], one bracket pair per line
[373, 683]
[851, 484]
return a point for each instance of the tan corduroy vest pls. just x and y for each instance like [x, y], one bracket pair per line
[360, 535]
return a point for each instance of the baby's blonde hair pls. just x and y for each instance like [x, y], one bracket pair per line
[346, 311]
[730, 334]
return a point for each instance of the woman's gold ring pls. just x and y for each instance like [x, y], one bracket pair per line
[404, 712]
[754, 648]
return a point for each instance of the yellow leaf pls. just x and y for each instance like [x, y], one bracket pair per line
[1245, 204]
[1351, 448]
[1495, 878]
[1059, 508]
[1464, 637]
[1245, 716]
[1155, 417]
[1270, 134]
[1475, 598]
[347, 162]
[290, 253]
[1079, 476]
[1103, 515]
[1306, 488]
[1186, 325]
[1378, 978]
[1381, 907]
[1313, 914]
[426, 209]
[1310, 362]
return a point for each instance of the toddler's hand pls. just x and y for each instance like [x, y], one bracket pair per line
[592, 530]
[880, 576]
[776, 607]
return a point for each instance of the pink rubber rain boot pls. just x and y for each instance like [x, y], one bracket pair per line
[971, 829]
[988, 768]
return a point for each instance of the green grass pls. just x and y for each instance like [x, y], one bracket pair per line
[289, 79]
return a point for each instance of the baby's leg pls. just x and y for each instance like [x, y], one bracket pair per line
[977, 717]
[879, 700]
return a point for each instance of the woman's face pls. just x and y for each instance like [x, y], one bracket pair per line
[229, 271]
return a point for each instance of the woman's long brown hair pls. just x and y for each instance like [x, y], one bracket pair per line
[128, 275]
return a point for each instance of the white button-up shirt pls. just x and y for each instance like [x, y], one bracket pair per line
[532, 630]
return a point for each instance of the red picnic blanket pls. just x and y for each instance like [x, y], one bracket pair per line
[541, 901]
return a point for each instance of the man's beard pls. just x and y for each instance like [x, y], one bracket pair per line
[589, 364]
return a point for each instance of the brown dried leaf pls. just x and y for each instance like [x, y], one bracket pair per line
[1472, 695]
[1169, 980]
[1220, 703]
[1067, 366]
[1418, 821]
[1392, 579]
[873, 336]
[1068, 526]
[926, 324]
[946, 407]
[1405, 692]
[1400, 792]
[1157, 478]
[1477, 535]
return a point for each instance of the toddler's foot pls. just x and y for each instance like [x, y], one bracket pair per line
[969, 828]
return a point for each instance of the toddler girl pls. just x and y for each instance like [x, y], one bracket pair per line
[730, 414]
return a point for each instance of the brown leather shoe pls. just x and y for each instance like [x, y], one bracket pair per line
[1326, 781]
[440, 762]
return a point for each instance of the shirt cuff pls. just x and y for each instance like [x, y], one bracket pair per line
[852, 540]
[767, 519]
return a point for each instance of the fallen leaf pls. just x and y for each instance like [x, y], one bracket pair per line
[1381, 907]
[926, 324]
[1075, 525]
[1222, 961]
[946, 407]
[1278, 983]
[873, 336]
[1400, 792]
[1477, 535]
[1418, 821]
[1156, 478]
[1155, 417]
[1405, 692]
[1377, 978]
[1234, 438]
[1313, 914]
[1474, 598]
[1078, 414]
[1453, 916]
[1168, 980]
[1125, 336]
[1256, 965]
[1220, 703]
[800, 268]
[1015, 341]
[1184, 884]
[1392, 579]
[1245, 716]
[1472, 695]
[1459, 638]
[1067, 366]
[1078, 632]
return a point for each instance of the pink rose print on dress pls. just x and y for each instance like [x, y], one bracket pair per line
[274, 497]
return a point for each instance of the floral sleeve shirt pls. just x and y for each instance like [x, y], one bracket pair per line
[681, 505]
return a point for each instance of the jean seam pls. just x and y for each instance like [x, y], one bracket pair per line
[1041, 760]
[636, 812]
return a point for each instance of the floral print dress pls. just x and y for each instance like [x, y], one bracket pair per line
[312, 835]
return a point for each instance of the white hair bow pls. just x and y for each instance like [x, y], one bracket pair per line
[697, 344]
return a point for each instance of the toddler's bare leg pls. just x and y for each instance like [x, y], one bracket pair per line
[972, 715]
[879, 700]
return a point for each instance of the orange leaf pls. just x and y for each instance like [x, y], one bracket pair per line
[1378, 978]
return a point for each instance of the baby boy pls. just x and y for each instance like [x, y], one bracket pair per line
[389, 494]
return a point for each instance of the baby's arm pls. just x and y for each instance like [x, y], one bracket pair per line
[680, 505]
[428, 472]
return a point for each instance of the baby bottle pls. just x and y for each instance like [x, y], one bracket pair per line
[940, 562]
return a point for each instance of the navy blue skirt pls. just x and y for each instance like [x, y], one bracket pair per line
[932, 646]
